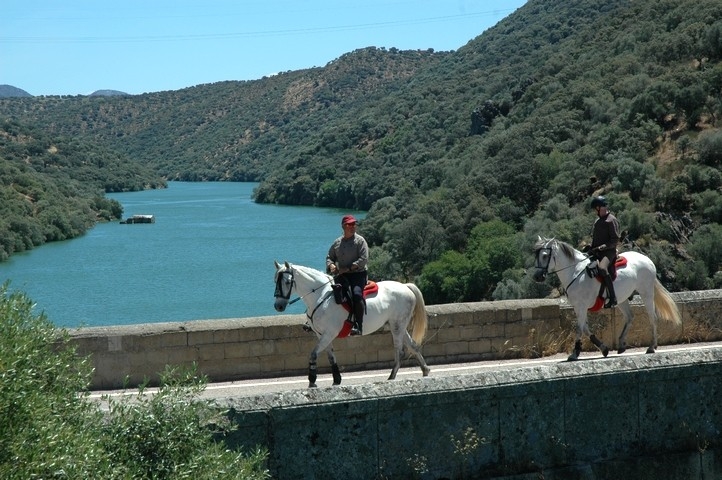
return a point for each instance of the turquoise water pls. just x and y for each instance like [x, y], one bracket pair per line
[208, 255]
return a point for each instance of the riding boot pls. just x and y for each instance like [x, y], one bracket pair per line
[611, 296]
[358, 313]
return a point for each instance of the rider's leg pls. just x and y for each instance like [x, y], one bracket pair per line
[611, 295]
[358, 311]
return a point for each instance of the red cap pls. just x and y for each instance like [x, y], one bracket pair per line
[348, 219]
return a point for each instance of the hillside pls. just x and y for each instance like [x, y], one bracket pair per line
[52, 188]
[463, 157]
[227, 130]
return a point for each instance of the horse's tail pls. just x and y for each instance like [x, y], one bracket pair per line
[663, 302]
[419, 322]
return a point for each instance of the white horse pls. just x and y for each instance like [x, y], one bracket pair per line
[398, 304]
[639, 274]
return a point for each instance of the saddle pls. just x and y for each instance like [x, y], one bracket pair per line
[370, 289]
[619, 263]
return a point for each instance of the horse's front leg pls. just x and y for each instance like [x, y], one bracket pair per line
[334, 366]
[581, 326]
[324, 342]
[599, 344]
[312, 369]
[583, 329]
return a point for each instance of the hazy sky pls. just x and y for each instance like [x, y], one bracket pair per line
[71, 47]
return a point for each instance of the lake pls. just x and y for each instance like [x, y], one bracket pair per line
[208, 255]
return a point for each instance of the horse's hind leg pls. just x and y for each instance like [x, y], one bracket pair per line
[417, 353]
[334, 367]
[628, 317]
[652, 314]
[398, 349]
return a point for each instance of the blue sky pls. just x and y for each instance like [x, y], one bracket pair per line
[71, 47]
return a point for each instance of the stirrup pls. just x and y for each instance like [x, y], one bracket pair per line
[610, 303]
[355, 331]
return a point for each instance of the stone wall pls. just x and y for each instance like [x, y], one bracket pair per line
[232, 349]
[642, 417]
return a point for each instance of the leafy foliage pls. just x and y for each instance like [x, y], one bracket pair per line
[52, 188]
[50, 429]
[165, 435]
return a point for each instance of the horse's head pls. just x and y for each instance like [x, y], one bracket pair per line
[284, 285]
[543, 253]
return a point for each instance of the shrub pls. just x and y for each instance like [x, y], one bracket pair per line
[168, 434]
[50, 429]
[46, 429]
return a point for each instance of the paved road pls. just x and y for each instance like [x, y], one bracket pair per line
[247, 388]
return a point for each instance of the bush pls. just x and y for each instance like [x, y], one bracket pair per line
[709, 146]
[168, 434]
[46, 429]
[50, 429]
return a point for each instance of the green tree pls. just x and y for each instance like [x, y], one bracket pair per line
[706, 246]
[447, 279]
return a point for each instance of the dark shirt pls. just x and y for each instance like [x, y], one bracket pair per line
[606, 232]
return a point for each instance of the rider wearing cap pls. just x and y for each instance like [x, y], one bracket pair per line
[605, 237]
[347, 260]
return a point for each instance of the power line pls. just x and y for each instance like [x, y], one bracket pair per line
[252, 34]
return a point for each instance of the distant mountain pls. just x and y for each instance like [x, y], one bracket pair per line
[108, 93]
[10, 91]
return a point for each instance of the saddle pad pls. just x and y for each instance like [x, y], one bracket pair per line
[372, 288]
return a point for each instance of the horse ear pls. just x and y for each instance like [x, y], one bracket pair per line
[288, 265]
[277, 264]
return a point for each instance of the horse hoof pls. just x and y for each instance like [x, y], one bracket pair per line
[650, 350]
[311, 385]
[605, 352]
[621, 350]
[337, 383]
[572, 358]
[426, 371]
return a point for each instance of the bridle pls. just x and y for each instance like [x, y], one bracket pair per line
[281, 281]
[545, 268]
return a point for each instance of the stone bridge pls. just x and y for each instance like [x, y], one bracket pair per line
[641, 417]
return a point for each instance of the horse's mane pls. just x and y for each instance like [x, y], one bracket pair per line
[564, 247]
[312, 271]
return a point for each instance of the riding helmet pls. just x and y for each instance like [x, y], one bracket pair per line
[599, 201]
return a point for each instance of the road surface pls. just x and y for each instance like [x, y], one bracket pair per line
[254, 387]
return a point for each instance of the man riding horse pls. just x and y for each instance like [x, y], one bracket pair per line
[346, 260]
[605, 237]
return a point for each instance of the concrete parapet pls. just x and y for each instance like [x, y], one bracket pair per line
[642, 417]
[232, 349]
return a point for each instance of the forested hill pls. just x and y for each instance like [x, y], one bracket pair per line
[52, 188]
[464, 157]
[227, 130]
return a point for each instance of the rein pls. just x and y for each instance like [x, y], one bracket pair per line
[573, 279]
[318, 305]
